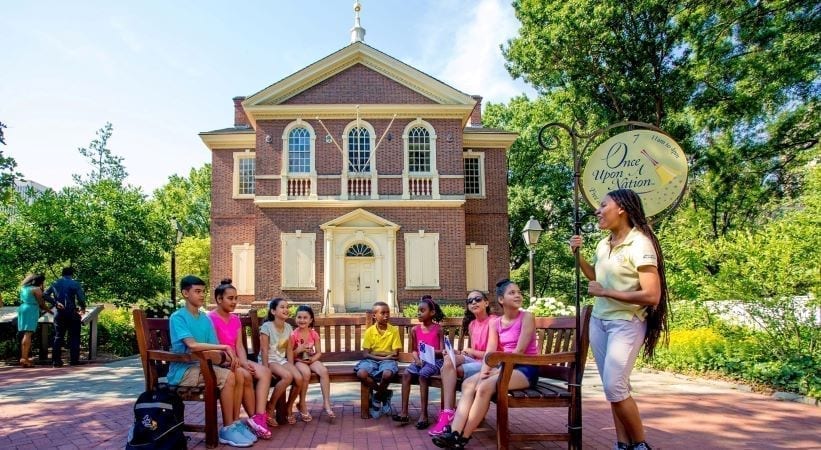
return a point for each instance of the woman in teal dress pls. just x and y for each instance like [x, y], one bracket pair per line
[31, 306]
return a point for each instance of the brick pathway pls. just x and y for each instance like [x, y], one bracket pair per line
[90, 407]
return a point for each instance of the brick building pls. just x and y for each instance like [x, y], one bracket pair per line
[357, 179]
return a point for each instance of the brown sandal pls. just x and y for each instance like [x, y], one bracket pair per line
[305, 416]
[291, 419]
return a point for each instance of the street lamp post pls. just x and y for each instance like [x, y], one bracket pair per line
[177, 239]
[531, 235]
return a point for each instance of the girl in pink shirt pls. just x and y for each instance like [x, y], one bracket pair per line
[305, 341]
[476, 323]
[514, 332]
[227, 327]
[429, 333]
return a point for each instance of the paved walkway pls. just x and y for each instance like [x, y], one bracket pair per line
[90, 407]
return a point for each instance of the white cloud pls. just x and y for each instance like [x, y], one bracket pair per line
[476, 64]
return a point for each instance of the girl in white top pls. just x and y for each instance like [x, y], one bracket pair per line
[276, 351]
[627, 278]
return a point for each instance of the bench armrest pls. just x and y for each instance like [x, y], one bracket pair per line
[509, 359]
[206, 360]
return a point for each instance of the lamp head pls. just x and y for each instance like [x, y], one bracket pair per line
[531, 232]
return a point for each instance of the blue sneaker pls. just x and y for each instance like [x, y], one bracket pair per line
[246, 430]
[375, 406]
[232, 436]
[386, 405]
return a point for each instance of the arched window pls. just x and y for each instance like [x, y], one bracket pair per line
[359, 250]
[299, 150]
[359, 150]
[419, 150]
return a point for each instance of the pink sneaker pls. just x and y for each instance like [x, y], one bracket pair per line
[445, 418]
[257, 423]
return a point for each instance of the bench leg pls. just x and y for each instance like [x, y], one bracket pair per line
[365, 401]
[502, 427]
[211, 425]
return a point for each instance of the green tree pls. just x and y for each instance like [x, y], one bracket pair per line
[538, 185]
[8, 172]
[105, 164]
[729, 80]
[107, 231]
[188, 200]
[193, 257]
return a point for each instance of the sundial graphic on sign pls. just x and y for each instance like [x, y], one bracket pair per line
[646, 161]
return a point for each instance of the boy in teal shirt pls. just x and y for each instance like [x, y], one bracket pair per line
[191, 331]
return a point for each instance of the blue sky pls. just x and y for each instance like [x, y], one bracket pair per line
[162, 71]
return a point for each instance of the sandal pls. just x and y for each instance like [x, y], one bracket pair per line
[291, 419]
[403, 420]
[330, 413]
[305, 416]
[271, 421]
[422, 425]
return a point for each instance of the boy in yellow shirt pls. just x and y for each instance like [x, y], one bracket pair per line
[382, 345]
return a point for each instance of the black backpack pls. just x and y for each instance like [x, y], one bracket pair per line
[158, 422]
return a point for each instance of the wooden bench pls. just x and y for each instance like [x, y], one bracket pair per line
[559, 363]
[154, 341]
[561, 366]
[341, 347]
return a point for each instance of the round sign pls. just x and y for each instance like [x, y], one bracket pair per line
[650, 163]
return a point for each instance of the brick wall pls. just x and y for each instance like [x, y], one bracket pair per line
[358, 85]
[448, 222]
[226, 232]
[483, 221]
[240, 118]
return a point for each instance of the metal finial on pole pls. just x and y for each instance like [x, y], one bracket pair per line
[357, 32]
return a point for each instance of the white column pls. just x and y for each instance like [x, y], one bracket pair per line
[328, 269]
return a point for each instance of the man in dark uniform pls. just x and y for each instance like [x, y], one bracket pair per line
[67, 296]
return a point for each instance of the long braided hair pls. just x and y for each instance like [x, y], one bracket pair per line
[656, 319]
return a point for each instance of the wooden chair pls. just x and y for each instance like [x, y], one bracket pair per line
[154, 340]
[559, 364]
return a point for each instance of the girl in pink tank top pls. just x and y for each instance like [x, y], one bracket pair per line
[427, 333]
[227, 327]
[514, 332]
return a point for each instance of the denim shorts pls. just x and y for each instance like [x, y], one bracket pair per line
[376, 368]
[530, 372]
[427, 370]
[471, 368]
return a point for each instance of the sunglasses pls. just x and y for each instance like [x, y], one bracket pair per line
[473, 300]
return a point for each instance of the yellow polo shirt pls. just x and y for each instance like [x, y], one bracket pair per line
[618, 268]
[386, 342]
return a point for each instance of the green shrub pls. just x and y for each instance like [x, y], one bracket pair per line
[449, 310]
[115, 332]
[741, 354]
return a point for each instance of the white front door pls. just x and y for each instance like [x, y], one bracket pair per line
[360, 289]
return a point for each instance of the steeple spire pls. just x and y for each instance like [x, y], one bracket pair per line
[357, 32]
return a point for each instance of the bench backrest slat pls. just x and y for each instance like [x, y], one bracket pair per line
[341, 338]
[152, 334]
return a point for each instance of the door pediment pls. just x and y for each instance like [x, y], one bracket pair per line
[359, 218]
